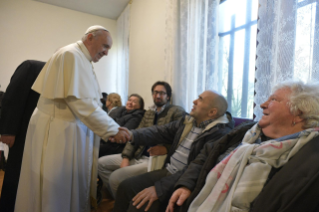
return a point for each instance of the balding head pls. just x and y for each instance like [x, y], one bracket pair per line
[209, 105]
[220, 103]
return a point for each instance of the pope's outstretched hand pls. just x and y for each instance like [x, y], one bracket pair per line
[122, 136]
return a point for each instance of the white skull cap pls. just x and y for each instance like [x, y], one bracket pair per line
[95, 28]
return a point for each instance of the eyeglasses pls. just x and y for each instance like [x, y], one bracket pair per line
[162, 93]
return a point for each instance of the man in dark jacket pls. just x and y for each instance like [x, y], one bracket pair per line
[193, 179]
[293, 188]
[18, 105]
[133, 161]
[208, 122]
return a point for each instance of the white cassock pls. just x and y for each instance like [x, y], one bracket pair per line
[59, 167]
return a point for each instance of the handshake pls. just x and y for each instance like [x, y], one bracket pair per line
[122, 136]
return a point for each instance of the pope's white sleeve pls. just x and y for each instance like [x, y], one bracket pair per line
[92, 115]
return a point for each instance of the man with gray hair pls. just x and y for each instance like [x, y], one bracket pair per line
[59, 166]
[208, 121]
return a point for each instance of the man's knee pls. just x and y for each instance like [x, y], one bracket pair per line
[109, 162]
[102, 163]
[126, 184]
[115, 178]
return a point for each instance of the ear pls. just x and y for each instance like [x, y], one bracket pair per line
[297, 118]
[90, 37]
[212, 113]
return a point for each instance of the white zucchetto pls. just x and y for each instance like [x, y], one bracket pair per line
[95, 28]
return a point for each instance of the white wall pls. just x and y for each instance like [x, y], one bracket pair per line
[146, 47]
[34, 30]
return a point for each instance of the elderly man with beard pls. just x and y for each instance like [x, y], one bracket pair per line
[133, 161]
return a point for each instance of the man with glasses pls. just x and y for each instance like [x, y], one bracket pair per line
[133, 161]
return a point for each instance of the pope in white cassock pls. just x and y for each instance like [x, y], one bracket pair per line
[59, 166]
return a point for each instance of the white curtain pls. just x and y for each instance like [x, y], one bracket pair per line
[122, 74]
[171, 41]
[288, 45]
[195, 50]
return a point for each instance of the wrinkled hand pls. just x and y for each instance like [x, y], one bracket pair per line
[8, 139]
[157, 150]
[147, 195]
[125, 162]
[179, 196]
[122, 136]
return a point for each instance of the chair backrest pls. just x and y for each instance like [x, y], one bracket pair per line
[238, 121]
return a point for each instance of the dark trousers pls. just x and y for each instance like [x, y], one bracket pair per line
[109, 148]
[132, 186]
[11, 177]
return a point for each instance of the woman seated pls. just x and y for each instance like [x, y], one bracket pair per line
[128, 116]
[276, 166]
[113, 101]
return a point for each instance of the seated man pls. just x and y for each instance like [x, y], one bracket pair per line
[274, 169]
[113, 169]
[208, 121]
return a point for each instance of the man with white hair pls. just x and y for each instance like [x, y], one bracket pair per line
[59, 167]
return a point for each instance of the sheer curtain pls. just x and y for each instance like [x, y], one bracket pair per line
[122, 74]
[171, 41]
[195, 50]
[288, 45]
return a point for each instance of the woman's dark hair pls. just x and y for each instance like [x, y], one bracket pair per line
[140, 100]
[167, 88]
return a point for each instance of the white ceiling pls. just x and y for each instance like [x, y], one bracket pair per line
[111, 9]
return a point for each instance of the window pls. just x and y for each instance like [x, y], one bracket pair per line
[306, 62]
[236, 54]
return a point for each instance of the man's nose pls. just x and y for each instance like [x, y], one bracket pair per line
[264, 105]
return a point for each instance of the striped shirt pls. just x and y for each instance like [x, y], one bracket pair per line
[179, 159]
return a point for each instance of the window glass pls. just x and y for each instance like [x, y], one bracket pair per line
[237, 50]
[305, 28]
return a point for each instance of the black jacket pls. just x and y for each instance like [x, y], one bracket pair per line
[202, 165]
[169, 114]
[295, 186]
[129, 119]
[171, 134]
[18, 105]
[291, 188]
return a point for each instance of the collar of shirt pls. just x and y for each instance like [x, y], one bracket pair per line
[154, 108]
[203, 124]
[84, 50]
[113, 108]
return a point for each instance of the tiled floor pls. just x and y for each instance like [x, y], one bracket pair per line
[105, 206]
